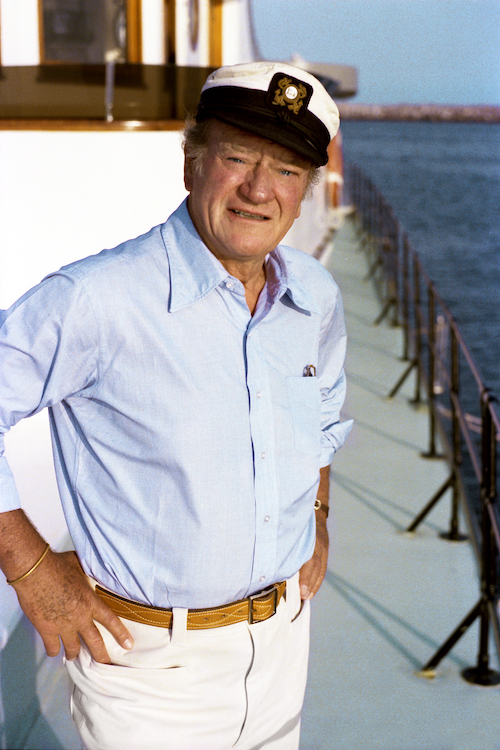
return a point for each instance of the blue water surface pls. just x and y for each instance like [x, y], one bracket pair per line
[443, 180]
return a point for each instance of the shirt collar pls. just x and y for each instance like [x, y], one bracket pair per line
[195, 271]
[282, 273]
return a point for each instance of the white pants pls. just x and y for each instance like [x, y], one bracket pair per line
[240, 686]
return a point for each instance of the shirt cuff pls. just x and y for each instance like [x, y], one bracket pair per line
[9, 496]
[332, 439]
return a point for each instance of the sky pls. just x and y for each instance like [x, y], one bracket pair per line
[414, 51]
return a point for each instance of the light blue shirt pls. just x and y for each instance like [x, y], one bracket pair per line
[187, 441]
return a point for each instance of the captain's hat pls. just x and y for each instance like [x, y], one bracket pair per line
[276, 101]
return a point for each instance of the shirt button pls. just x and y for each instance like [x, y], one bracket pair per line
[230, 284]
[259, 394]
[262, 579]
[263, 454]
[267, 518]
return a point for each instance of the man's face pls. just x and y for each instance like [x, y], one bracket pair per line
[246, 195]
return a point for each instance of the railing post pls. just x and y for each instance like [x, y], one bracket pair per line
[388, 259]
[452, 481]
[418, 331]
[396, 277]
[454, 534]
[408, 309]
[431, 373]
[481, 674]
[405, 306]
[392, 278]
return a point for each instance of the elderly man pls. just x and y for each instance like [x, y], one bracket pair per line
[194, 378]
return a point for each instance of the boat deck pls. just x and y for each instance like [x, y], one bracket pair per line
[389, 599]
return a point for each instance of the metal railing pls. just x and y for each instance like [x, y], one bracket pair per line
[463, 420]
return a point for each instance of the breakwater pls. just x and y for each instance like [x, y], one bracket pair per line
[420, 112]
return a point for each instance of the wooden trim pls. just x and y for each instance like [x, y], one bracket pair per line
[41, 39]
[170, 28]
[215, 34]
[91, 125]
[134, 31]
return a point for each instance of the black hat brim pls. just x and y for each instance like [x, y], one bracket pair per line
[247, 109]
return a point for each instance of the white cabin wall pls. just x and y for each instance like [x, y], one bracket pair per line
[238, 44]
[65, 195]
[202, 49]
[19, 30]
[153, 32]
[185, 53]
[237, 37]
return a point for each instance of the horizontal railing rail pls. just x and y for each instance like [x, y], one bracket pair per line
[463, 420]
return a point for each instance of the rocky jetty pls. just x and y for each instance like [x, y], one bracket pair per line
[420, 112]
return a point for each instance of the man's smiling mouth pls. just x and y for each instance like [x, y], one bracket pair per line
[246, 215]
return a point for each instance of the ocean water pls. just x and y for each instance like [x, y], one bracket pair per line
[443, 180]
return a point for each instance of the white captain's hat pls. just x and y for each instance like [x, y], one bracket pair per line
[276, 101]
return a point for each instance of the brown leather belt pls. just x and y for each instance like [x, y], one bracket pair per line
[255, 608]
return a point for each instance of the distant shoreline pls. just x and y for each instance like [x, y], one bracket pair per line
[420, 112]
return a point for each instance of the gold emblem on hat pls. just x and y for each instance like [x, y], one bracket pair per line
[290, 94]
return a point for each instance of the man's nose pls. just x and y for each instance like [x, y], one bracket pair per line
[258, 185]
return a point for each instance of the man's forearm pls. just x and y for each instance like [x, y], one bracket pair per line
[20, 544]
[55, 595]
[313, 572]
[323, 493]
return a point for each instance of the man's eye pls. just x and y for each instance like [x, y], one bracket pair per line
[286, 172]
[236, 159]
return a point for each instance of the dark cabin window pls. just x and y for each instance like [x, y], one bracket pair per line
[85, 31]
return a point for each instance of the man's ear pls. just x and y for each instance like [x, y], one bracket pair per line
[188, 174]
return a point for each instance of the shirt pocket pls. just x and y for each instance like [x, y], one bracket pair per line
[304, 399]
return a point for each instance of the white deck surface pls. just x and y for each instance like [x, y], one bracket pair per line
[389, 600]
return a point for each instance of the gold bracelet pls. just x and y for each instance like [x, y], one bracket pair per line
[30, 571]
[318, 505]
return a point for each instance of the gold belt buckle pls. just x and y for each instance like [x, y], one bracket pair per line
[261, 595]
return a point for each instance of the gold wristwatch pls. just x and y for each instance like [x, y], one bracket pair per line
[318, 505]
